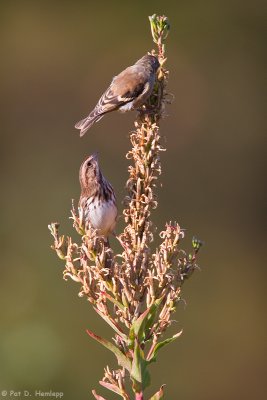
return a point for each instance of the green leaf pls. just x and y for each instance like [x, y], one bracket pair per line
[159, 395]
[140, 327]
[153, 312]
[153, 26]
[137, 329]
[139, 373]
[159, 345]
[113, 324]
[122, 359]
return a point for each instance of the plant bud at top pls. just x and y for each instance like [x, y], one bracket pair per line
[160, 27]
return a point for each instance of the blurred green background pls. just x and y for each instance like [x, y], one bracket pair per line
[57, 59]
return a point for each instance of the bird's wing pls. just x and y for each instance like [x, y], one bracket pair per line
[123, 89]
[129, 84]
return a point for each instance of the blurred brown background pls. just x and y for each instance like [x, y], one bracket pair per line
[56, 60]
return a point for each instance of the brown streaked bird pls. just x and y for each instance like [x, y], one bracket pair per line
[97, 198]
[128, 91]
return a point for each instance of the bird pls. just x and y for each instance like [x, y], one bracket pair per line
[128, 91]
[97, 199]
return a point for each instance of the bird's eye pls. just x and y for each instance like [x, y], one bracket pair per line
[89, 164]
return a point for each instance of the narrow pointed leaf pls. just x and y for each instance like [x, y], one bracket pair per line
[113, 325]
[122, 359]
[139, 373]
[162, 344]
[111, 387]
[159, 395]
[141, 326]
[138, 326]
[153, 312]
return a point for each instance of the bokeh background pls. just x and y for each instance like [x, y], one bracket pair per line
[56, 60]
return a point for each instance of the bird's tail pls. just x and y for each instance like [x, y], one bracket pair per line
[87, 122]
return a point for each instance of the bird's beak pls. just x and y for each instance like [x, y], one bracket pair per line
[95, 156]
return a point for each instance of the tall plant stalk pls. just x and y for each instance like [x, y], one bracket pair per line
[136, 291]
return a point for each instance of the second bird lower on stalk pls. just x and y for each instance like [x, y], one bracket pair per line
[97, 200]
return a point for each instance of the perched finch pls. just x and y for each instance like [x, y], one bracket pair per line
[128, 90]
[97, 199]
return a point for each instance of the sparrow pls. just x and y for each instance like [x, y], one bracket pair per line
[97, 199]
[128, 91]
